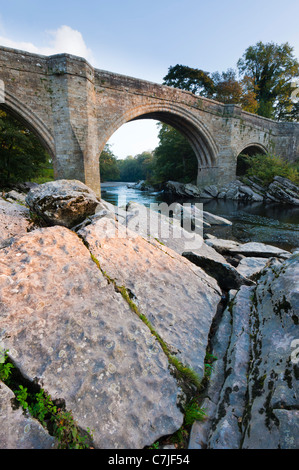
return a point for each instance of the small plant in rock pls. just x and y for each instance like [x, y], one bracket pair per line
[209, 359]
[68, 433]
[193, 412]
[43, 407]
[59, 422]
[5, 367]
[155, 445]
[22, 397]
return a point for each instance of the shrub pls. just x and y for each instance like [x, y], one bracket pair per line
[265, 167]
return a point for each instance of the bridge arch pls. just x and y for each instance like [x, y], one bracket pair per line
[179, 118]
[24, 114]
[250, 149]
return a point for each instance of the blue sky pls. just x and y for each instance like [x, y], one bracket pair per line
[142, 39]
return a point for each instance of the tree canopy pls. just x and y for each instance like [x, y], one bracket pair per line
[195, 80]
[109, 169]
[22, 157]
[174, 157]
[262, 82]
[272, 68]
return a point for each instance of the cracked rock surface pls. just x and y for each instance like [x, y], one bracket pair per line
[67, 327]
[176, 296]
[253, 393]
[17, 430]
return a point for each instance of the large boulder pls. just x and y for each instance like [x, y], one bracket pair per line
[271, 418]
[252, 249]
[225, 274]
[68, 329]
[282, 190]
[63, 202]
[181, 189]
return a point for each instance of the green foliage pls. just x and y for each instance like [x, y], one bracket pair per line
[136, 168]
[22, 397]
[193, 412]
[195, 80]
[174, 157]
[41, 407]
[229, 90]
[22, 157]
[68, 433]
[272, 67]
[109, 169]
[45, 174]
[155, 445]
[266, 73]
[188, 374]
[265, 167]
[5, 367]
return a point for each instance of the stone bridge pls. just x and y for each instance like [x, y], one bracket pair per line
[74, 109]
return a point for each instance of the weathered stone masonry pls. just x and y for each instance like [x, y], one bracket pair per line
[75, 109]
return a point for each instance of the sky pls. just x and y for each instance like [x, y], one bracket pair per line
[143, 39]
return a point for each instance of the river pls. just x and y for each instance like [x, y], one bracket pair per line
[275, 224]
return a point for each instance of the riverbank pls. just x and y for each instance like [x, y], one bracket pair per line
[144, 337]
[270, 222]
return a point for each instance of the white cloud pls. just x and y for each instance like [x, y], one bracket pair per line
[64, 39]
[132, 138]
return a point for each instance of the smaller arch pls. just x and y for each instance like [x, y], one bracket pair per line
[249, 150]
[253, 149]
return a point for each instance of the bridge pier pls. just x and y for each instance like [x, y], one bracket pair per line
[75, 122]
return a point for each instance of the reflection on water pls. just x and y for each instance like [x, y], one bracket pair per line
[276, 224]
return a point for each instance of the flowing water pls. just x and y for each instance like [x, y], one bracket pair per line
[271, 223]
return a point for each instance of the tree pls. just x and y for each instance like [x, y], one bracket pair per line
[109, 170]
[22, 157]
[229, 90]
[195, 80]
[136, 168]
[272, 68]
[223, 87]
[174, 157]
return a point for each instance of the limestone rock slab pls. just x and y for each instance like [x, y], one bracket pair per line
[66, 326]
[273, 386]
[250, 266]
[175, 296]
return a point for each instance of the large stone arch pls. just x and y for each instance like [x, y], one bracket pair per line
[190, 126]
[24, 114]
